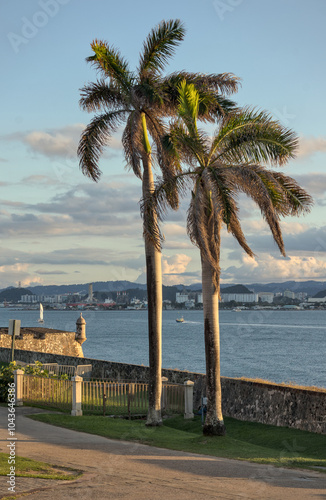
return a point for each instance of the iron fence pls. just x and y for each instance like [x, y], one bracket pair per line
[47, 392]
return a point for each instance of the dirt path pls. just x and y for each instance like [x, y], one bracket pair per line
[124, 470]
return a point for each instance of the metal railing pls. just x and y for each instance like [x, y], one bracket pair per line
[173, 398]
[100, 397]
[115, 398]
[50, 392]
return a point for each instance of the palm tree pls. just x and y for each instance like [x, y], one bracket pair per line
[234, 161]
[142, 100]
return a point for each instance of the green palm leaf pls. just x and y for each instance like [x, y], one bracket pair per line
[159, 46]
[251, 135]
[110, 63]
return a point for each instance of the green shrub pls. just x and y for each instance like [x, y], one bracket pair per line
[7, 375]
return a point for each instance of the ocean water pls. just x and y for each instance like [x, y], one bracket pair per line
[280, 346]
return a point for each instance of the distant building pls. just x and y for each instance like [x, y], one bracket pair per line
[288, 294]
[199, 298]
[122, 298]
[30, 299]
[238, 293]
[181, 297]
[319, 297]
[266, 297]
[90, 297]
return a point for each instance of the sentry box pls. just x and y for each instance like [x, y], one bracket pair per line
[14, 327]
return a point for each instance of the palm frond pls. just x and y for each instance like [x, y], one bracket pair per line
[163, 153]
[219, 183]
[149, 95]
[210, 89]
[109, 62]
[213, 106]
[132, 142]
[191, 147]
[296, 199]
[254, 181]
[188, 106]
[98, 95]
[203, 228]
[94, 138]
[224, 83]
[159, 46]
[253, 136]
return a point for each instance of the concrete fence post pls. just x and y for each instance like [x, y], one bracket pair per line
[189, 399]
[77, 396]
[18, 379]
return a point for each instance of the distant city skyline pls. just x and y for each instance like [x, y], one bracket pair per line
[59, 227]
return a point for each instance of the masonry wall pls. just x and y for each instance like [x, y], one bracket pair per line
[43, 340]
[243, 399]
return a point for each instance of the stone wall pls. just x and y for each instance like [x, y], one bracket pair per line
[243, 399]
[43, 340]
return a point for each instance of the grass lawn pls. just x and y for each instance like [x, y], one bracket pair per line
[26, 467]
[279, 446]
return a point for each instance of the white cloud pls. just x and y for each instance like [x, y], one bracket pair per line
[267, 268]
[311, 145]
[91, 209]
[314, 183]
[175, 264]
[39, 180]
[174, 267]
[60, 142]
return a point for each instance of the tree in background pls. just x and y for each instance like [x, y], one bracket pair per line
[235, 160]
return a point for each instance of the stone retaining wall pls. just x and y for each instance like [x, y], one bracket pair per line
[243, 399]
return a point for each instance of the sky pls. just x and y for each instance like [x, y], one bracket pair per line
[59, 227]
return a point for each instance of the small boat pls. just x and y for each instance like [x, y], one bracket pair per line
[41, 320]
[180, 320]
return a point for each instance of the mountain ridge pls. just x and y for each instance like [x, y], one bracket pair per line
[310, 287]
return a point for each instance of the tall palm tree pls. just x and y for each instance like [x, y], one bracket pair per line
[234, 161]
[142, 100]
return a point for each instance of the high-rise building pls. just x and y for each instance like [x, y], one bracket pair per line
[90, 293]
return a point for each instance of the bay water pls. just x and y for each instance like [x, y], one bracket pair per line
[280, 346]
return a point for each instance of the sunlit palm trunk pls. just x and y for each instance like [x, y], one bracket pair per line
[214, 419]
[154, 293]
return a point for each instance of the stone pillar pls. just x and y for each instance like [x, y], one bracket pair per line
[77, 396]
[189, 399]
[18, 378]
[81, 329]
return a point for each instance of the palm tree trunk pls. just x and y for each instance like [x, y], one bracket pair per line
[154, 295]
[214, 424]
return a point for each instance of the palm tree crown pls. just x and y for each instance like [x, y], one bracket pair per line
[236, 160]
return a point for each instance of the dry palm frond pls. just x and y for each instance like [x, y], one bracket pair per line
[94, 138]
[99, 95]
[132, 142]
